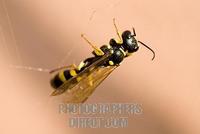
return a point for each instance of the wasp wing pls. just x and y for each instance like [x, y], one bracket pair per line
[68, 85]
[81, 92]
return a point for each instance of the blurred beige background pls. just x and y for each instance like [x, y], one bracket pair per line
[44, 33]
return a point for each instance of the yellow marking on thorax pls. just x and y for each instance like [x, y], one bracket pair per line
[62, 76]
[81, 65]
[111, 63]
[122, 51]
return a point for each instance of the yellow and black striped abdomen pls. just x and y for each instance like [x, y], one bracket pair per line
[62, 77]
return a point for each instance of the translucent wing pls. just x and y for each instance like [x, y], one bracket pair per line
[81, 92]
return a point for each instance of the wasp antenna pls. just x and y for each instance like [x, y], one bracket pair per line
[149, 49]
[134, 33]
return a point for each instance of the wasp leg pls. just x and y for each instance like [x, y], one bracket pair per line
[118, 33]
[97, 50]
[73, 66]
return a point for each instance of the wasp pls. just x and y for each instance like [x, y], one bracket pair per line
[77, 83]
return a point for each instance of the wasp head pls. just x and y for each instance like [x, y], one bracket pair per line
[129, 42]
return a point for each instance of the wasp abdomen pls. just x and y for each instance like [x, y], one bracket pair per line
[62, 77]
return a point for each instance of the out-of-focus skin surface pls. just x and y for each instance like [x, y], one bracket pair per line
[46, 31]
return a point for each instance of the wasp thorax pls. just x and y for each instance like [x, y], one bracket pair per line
[117, 56]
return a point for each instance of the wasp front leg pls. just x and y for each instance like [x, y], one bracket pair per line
[120, 41]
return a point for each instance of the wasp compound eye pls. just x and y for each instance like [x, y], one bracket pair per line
[126, 35]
